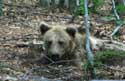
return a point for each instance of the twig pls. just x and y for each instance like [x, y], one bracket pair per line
[27, 75]
[48, 58]
[56, 62]
[117, 19]
[62, 61]
[116, 29]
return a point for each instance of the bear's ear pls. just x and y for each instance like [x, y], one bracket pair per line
[81, 30]
[44, 27]
[71, 31]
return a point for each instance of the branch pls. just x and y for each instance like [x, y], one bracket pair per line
[117, 19]
[116, 29]
[114, 10]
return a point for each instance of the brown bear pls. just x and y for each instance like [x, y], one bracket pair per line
[63, 43]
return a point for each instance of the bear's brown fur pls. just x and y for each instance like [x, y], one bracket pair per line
[63, 43]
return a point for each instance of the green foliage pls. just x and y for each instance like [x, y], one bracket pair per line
[120, 8]
[81, 9]
[106, 56]
[97, 3]
[118, 22]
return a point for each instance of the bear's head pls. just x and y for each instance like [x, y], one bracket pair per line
[57, 40]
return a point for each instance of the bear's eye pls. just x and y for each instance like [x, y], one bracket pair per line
[60, 42]
[49, 43]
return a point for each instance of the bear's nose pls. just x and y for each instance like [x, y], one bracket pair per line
[55, 57]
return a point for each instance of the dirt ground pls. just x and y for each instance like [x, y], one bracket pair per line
[19, 57]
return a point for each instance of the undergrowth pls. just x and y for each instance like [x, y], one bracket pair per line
[109, 57]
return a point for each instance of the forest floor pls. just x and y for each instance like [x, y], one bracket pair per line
[19, 31]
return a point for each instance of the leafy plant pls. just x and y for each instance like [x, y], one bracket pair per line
[81, 9]
[106, 56]
[96, 5]
[120, 8]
